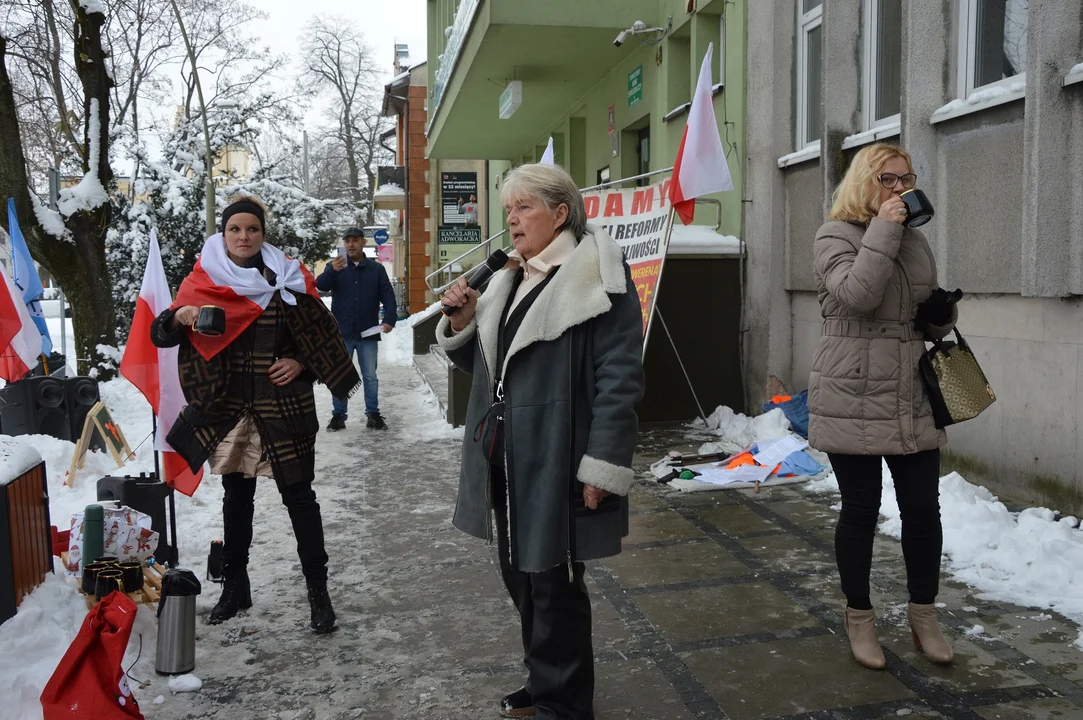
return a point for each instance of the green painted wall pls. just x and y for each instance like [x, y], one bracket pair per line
[668, 81]
[579, 125]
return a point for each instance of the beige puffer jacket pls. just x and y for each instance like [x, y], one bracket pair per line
[865, 394]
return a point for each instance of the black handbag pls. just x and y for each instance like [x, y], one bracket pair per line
[958, 389]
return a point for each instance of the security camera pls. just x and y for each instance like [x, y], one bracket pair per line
[640, 28]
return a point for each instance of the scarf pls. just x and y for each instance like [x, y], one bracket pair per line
[244, 293]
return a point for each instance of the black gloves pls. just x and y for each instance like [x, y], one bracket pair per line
[937, 309]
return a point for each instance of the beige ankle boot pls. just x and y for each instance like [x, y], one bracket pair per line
[927, 635]
[861, 629]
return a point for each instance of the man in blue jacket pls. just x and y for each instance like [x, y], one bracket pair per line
[358, 286]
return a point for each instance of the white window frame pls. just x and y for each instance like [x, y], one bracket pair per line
[968, 42]
[872, 18]
[721, 52]
[806, 22]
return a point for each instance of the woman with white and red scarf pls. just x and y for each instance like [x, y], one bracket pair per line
[251, 410]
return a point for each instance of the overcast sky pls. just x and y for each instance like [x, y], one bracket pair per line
[383, 23]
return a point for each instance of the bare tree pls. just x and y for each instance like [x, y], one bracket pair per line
[71, 244]
[337, 60]
[144, 34]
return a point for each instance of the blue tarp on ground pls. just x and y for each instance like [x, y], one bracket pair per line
[796, 411]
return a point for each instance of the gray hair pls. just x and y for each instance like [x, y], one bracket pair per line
[552, 185]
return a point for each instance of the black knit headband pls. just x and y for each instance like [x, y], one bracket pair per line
[242, 206]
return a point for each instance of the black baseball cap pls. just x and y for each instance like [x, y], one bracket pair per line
[353, 232]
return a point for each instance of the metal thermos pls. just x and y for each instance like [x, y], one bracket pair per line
[93, 534]
[176, 653]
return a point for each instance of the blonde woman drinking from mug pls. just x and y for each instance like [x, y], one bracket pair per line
[878, 294]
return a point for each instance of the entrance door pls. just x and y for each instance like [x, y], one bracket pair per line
[643, 148]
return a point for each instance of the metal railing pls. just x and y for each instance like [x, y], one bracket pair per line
[447, 271]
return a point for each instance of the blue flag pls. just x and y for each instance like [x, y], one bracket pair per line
[25, 276]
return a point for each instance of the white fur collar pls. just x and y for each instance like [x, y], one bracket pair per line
[577, 293]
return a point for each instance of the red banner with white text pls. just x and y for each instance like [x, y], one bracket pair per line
[639, 220]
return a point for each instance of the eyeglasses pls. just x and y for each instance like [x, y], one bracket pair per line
[891, 180]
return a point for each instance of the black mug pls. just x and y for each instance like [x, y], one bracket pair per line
[211, 321]
[108, 581]
[90, 575]
[132, 574]
[918, 208]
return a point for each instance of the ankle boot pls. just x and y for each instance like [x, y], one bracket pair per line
[927, 635]
[861, 629]
[236, 595]
[323, 615]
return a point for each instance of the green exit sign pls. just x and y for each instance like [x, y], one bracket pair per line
[635, 86]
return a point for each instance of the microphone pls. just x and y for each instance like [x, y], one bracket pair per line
[495, 262]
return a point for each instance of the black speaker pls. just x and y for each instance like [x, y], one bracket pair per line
[145, 494]
[81, 394]
[35, 406]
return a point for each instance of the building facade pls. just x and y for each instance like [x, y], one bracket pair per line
[987, 95]
[506, 76]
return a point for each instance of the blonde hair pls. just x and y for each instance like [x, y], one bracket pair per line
[552, 185]
[855, 197]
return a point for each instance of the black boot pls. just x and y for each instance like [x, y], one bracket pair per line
[517, 704]
[323, 616]
[236, 595]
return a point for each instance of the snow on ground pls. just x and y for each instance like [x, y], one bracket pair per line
[48, 620]
[1027, 558]
[399, 345]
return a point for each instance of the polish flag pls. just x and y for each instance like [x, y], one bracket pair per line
[701, 167]
[154, 370]
[19, 337]
[548, 157]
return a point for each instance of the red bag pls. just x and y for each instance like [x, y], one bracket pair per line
[89, 683]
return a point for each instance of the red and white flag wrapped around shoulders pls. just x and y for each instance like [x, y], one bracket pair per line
[701, 167]
[154, 370]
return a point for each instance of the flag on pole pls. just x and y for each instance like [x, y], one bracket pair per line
[153, 370]
[701, 167]
[25, 275]
[547, 156]
[19, 337]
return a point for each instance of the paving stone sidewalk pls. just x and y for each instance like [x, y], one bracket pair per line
[722, 605]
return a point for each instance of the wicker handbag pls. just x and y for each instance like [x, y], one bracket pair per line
[958, 389]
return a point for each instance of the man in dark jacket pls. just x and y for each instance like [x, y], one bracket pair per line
[358, 286]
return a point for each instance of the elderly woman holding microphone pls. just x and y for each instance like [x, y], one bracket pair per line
[555, 349]
[251, 410]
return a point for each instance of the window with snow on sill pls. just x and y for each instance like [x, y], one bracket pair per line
[980, 99]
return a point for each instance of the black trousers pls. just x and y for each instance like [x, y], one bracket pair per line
[554, 613]
[917, 489]
[300, 500]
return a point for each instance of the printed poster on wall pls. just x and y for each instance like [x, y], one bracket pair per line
[459, 198]
[639, 219]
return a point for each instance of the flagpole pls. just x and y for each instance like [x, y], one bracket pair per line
[154, 433]
[174, 555]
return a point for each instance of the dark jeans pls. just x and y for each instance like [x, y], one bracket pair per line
[917, 489]
[554, 614]
[300, 500]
